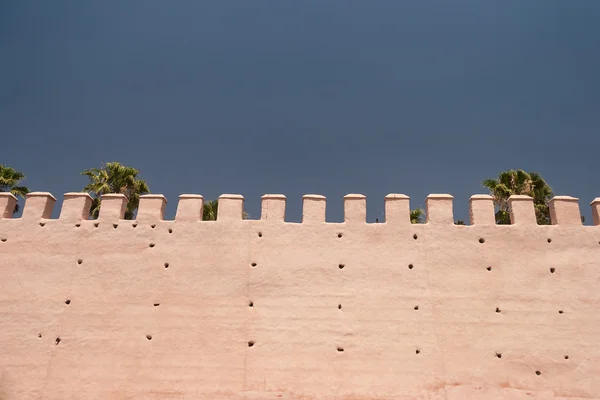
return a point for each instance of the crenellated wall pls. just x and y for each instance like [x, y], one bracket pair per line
[267, 309]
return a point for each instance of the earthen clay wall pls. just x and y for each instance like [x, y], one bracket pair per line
[265, 309]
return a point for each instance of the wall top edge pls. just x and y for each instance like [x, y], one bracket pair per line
[314, 197]
[41, 194]
[565, 198]
[440, 196]
[520, 197]
[481, 197]
[153, 196]
[77, 194]
[396, 196]
[273, 197]
[355, 196]
[231, 196]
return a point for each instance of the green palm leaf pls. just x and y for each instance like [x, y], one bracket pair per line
[519, 182]
[417, 216]
[9, 181]
[114, 177]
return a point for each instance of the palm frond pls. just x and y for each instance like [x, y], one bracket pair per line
[95, 209]
[9, 181]
[490, 183]
[115, 177]
[520, 182]
[19, 191]
[209, 211]
[417, 216]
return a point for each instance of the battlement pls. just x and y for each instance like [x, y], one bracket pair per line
[564, 210]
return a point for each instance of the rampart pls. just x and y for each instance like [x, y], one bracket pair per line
[113, 309]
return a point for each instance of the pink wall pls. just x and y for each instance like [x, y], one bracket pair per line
[427, 311]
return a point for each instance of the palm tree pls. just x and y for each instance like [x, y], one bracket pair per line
[9, 179]
[417, 215]
[115, 178]
[209, 212]
[519, 182]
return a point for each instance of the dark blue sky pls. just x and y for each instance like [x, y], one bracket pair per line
[326, 97]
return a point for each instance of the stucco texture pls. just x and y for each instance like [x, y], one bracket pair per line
[110, 309]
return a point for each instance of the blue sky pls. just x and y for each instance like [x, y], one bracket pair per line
[326, 97]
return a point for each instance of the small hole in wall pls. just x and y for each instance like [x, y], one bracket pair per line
[39, 335]
[253, 264]
[170, 230]
[3, 239]
[549, 240]
[96, 224]
[166, 265]
[134, 225]
[481, 240]
[489, 268]
[115, 226]
[417, 351]
[251, 304]
[552, 270]
[340, 349]
[339, 235]
[560, 311]
[151, 245]
[156, 304]
[259, 234]
[153, 226]
[42, 223]
[339, 306]
[416, 308]
[415, 236]
[410, 266]
[538, 373]
[57, 341]
[499, 355]
[341, 266]
[497, 309]
[77, 225]
[251, 343]
[566, 357]
[79, 261]
[68, 301]
[149, 337]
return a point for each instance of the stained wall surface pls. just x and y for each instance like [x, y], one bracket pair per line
[110, 309]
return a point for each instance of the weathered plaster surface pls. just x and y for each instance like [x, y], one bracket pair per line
[188, 284]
